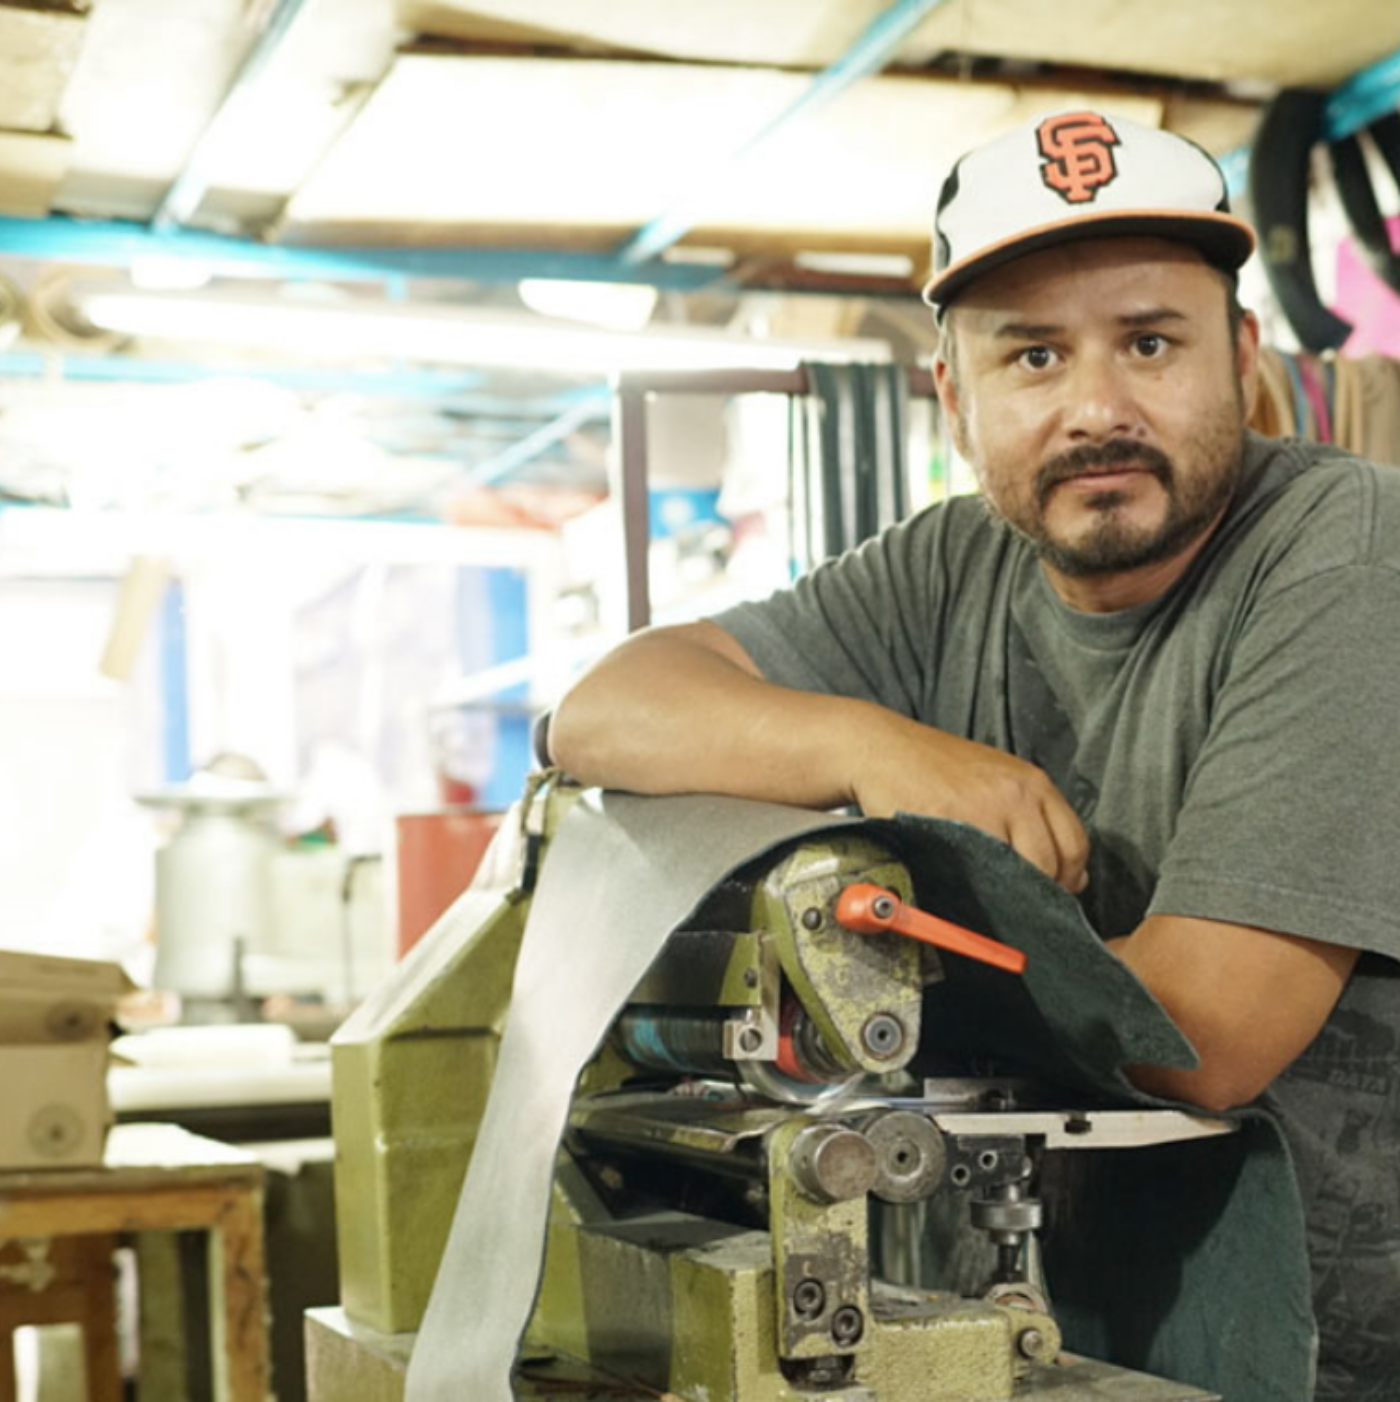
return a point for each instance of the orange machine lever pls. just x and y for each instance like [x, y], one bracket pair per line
[871, 910]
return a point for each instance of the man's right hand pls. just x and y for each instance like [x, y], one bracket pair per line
[685, 710]
[912, 768]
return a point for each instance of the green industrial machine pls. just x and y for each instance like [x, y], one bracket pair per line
[710, 1234]
[411, 1070]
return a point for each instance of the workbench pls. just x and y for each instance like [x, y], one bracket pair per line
[59, 1227]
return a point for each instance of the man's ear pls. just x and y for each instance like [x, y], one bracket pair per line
[1247, 362]
[945, 383]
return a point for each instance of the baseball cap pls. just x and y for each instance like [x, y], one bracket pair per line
[1077, 175]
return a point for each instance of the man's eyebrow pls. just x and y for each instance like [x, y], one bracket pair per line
[1049, 330]
[1027, 331]
[1152, 317]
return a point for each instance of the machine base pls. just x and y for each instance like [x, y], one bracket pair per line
[348, 1362]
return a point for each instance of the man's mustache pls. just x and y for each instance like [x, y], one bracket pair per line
[1101, 457]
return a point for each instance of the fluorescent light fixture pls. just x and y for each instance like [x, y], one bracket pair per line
[898, 265]
[155, 273]
[616, 306]
[445, 335]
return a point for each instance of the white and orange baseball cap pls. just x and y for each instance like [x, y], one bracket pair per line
[1078, 175]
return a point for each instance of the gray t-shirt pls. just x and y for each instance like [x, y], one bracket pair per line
[1232, 751]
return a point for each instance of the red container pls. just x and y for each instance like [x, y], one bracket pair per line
[438, 854]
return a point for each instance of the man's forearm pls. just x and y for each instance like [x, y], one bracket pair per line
[682, 710]
[1249, 1000]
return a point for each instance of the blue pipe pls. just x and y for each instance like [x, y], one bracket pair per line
[1363, 98]
[867, 55]
[119, 369]
[189, 187]
[119, 242]
[493, 470]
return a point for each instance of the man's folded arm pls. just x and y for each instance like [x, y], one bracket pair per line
[1250, 1001]
[686, 710]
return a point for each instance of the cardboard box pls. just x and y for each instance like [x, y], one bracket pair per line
[55, 1025]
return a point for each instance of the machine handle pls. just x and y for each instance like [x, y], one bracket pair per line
[871, 910]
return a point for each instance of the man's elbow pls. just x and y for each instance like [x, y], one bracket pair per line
[1213, 1087]
[567, 739]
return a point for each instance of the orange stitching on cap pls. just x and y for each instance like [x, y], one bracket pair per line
[1078, 152]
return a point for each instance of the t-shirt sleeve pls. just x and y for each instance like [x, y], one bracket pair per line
[1291, 812]
[862, 625]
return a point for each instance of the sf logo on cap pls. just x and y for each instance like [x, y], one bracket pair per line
[1077, 148]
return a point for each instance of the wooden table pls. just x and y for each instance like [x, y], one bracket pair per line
[155, 1178]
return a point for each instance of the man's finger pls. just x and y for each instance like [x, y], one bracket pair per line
[1030, 835]
[1072, 843]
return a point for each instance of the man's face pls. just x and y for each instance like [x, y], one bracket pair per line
[1098, 393]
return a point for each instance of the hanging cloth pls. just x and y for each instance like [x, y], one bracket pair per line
[848, 474]
[1374, 420]
[1306, 425]
[1315, 388]
[1273, 407]
[1347, 428]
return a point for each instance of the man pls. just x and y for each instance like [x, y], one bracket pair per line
[1158, 658]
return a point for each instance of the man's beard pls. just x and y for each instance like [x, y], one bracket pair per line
[1114, 545]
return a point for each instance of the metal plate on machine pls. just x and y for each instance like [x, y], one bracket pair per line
[716, 1126]
[704, 969]
[1085, 1129]
[1087, 1380]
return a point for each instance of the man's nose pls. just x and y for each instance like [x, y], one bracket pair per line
[1101, 404]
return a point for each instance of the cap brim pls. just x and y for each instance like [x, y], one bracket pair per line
[1222, 239]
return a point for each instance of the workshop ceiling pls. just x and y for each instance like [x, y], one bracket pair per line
[565, 127]
[563, 123]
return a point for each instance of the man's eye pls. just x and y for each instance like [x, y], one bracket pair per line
[1036, 357]
[1149, 344]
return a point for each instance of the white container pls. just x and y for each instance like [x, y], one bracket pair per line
[213, 888]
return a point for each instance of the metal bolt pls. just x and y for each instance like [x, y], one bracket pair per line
[831, 1163]
[847, 1325]
[750, 978]
[812, 917]
[1031, 1343]
[911, 1153]
[961, 1175]
[1012, 1216]
[882, 1035]
[809, 1298]
[883, 906]
[750, 1040]
[988, 1159]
